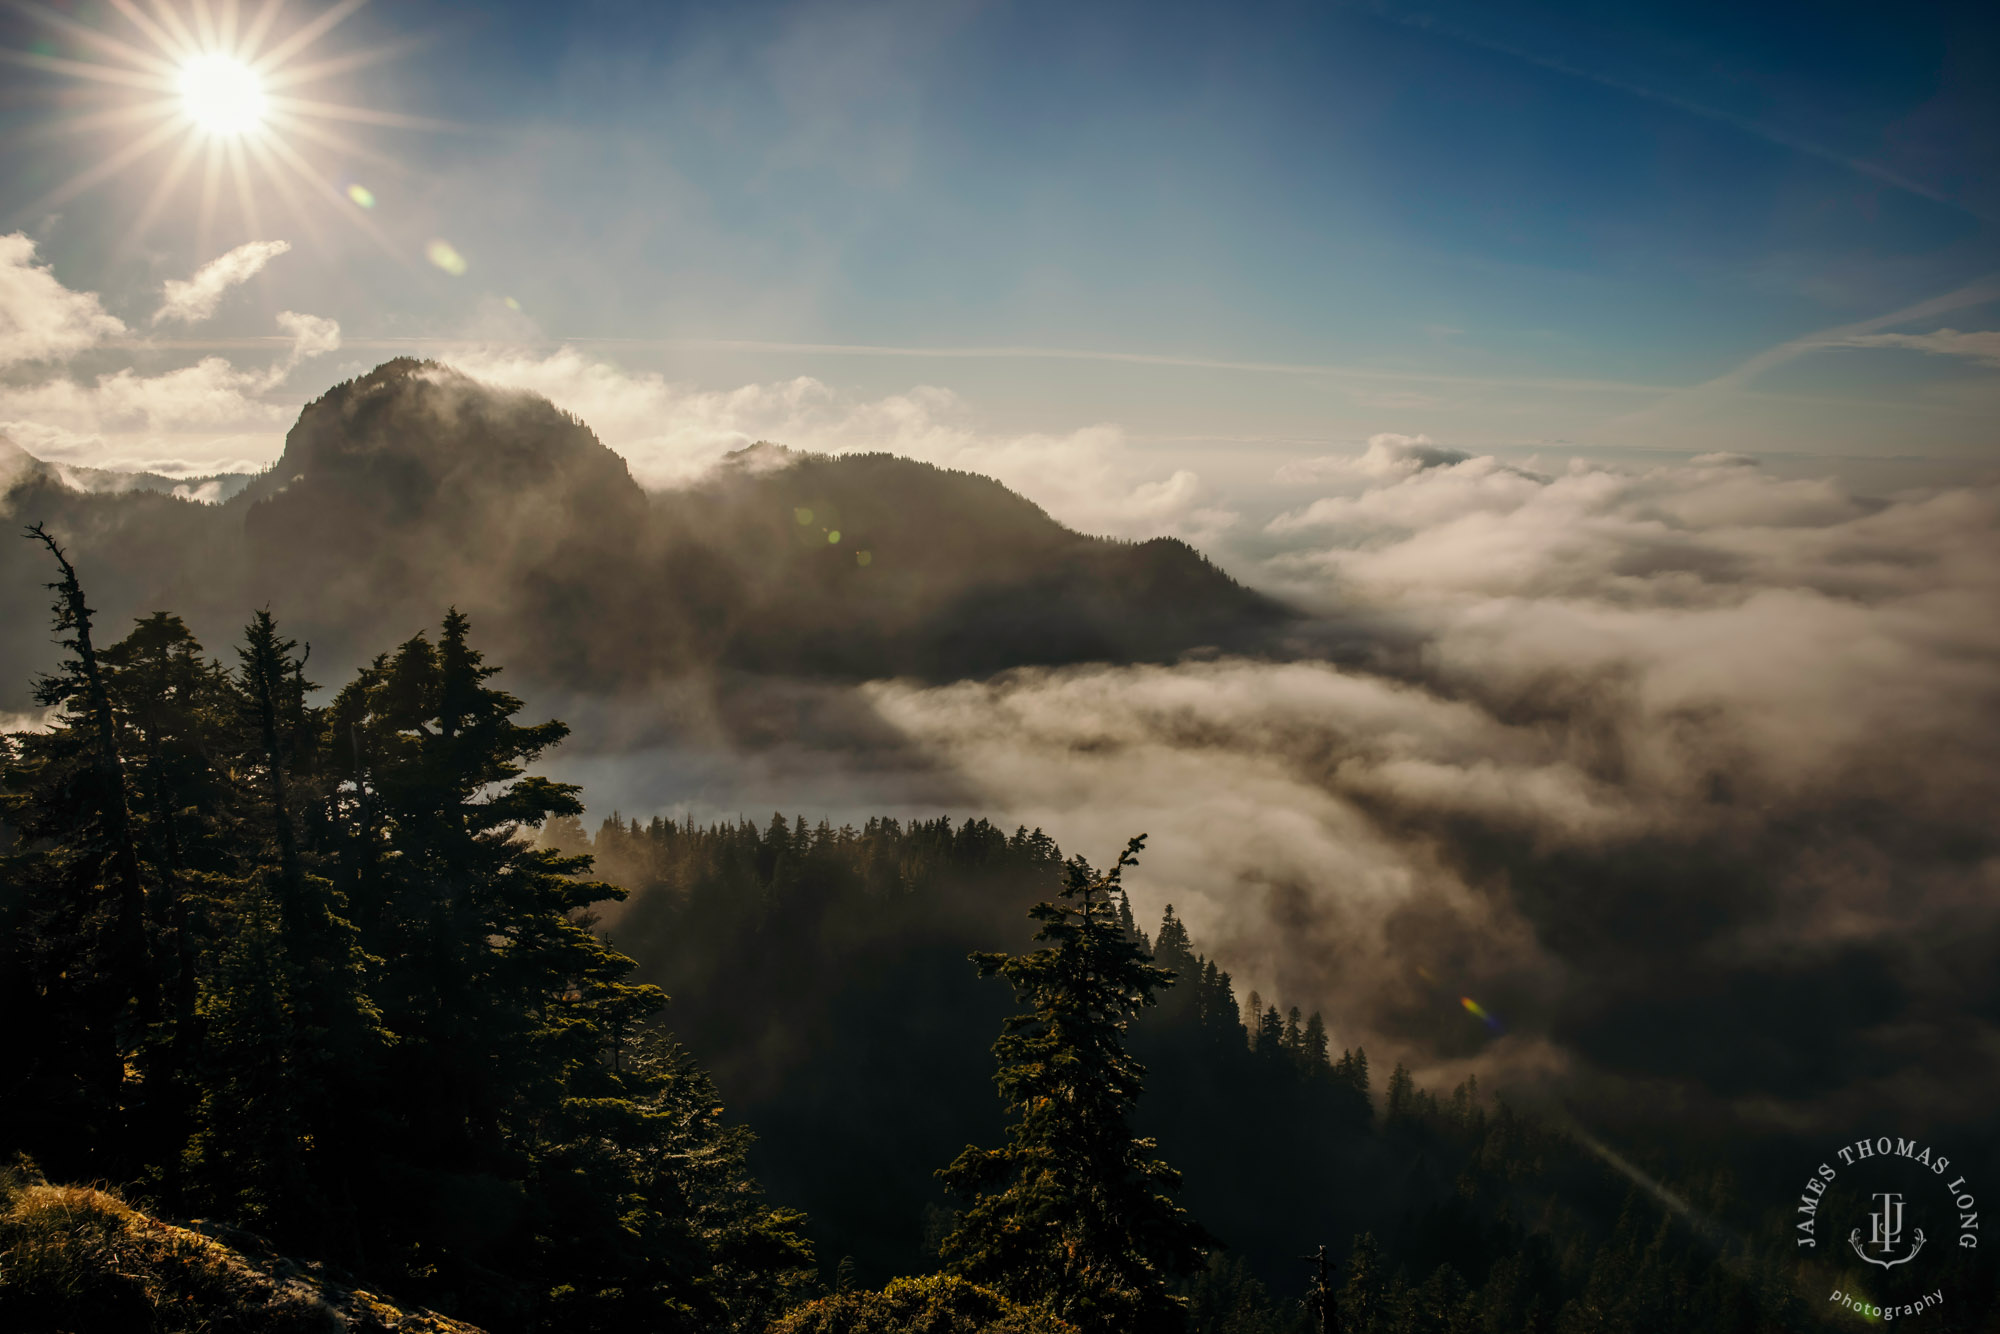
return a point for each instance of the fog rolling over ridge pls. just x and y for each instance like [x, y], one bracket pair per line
[1686, 774]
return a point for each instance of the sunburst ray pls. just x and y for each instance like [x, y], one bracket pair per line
[305, 106]
[233, 82]
[341, 64]
[184, 43]
[259, 29]
[163, 190]
[84, 69]
[153, 32]
[101, 41]
[104, 170]
[306, 36]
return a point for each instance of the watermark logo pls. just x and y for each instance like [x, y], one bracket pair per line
[1896, 1203]
[1902, 1159]
[1885, 1233]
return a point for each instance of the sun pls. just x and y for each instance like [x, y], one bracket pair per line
[230, 101]
[222, 95]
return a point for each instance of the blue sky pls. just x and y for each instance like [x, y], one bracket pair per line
[1512, 227]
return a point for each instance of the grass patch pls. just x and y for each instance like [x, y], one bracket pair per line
[75, 1260]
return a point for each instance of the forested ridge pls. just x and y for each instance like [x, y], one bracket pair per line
[338, 969]
[414, 487]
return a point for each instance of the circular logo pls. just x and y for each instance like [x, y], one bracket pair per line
[1894, 1219]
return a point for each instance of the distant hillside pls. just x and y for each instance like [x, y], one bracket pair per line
[415, 487]
[18, 465]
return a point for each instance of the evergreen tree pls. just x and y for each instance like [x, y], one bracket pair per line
[1313, 1047]
[552, 1143]
[175, 705]
[1361, 1293]
[355, 1005]
[1271, 1036]
[1173, 947]
[1352, 1069]
[1075, 1214]
[1402, 1095]
[294, 1036]
[75, 912]
[1221, 1021]
[175, 711]
[246, 1154]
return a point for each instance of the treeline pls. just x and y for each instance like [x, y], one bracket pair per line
[817, 970]
[296, 966]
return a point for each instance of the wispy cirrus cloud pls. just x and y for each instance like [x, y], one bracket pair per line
[191, 300]
[1973, 346]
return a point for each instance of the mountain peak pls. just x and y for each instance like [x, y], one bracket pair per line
[415, 487]
[424, 426]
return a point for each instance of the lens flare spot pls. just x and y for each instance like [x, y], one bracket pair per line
[361, 195]
[221, 94]
[833, 536]
[802, 516]
[1478, 1011]
[512, 304]
[864, 558]
[445, 255]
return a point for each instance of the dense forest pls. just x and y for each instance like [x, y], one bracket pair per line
[336, 968]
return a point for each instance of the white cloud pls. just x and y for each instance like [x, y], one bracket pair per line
[40, 319]
[196, 299]
[312, 335]
[1387, 455]
[1710, 532]
[211, 416]
[1976, 346]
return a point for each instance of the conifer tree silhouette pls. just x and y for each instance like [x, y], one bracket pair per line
[1075, 1213]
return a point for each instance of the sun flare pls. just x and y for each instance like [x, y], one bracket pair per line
[222, 95]
[229, 102]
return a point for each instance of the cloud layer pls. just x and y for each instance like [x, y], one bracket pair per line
[1687, 773]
